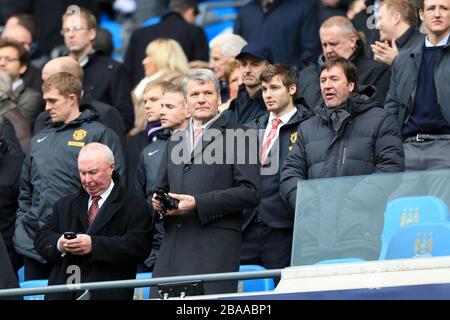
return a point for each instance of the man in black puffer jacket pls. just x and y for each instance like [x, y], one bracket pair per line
[351, 135]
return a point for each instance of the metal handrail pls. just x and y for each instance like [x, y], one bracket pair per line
[104, 285]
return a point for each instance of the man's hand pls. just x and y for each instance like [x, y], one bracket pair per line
[156, 203]
[79, 246]
[186, 204]
[383, 52]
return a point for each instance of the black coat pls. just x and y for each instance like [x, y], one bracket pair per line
[244, 109]
[173, 26]
[10, 168]
[8, 279]
[370, 73]
[208, 239]
[107, 80]
[272, 209]
[290, 28]
[121, 238]
[358, 139]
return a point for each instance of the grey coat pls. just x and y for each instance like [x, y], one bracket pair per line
[208, 239]
[404, 79]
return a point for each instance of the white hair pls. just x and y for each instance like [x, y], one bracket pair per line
[230, 44]
[102, 149]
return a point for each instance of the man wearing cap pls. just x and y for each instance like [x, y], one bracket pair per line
[249, 103]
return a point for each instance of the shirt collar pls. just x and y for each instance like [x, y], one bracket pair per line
[205, 125]
[285, 118]
[428, 44]
[16, 84]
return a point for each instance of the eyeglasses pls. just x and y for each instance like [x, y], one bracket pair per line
[74, 29]
[9, 59]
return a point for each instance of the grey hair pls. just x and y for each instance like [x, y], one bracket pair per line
[200, 76]
[230, 44]
[103, 150]
[345, 25]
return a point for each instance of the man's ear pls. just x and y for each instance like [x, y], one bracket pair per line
[73, 99]
[292, 89]
[421, 15]
[351, 87]
[92, 34]
[23, 69]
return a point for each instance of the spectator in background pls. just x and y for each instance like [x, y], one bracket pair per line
[14, 60]
[288, 27]
[267, 229]
[223, 50]
[10, 167]
[48, 15]
[150, 133]
[49, 171]
[178, 24]
[419, 98]
[27, 37]
[113, 229]
[249, 103]
[340, 39]
[174, 117]
[203, 235]
[397, 22]
[108, 115]
[350, 135]
[18, 138]
[233, 78]
[165, 61]
[19, 28]
[104, 79]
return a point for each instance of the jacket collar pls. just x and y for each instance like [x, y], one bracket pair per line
[406, 36]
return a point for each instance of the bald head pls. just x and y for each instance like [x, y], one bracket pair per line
[19, 34]
[62, 64]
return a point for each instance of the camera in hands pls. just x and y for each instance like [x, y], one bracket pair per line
[167, 202]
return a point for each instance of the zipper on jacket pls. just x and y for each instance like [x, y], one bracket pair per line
[344, 154]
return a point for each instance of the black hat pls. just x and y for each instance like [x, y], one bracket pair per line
[258, 51]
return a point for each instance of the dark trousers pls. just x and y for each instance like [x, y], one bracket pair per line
[266, 246]
[429, 156]
[34, 270]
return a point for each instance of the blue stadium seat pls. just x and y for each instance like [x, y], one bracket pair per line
[143, 292]
[33, 284]
[420, 240]
[21, 274]
[335, 261]
[114, 27]
[265, 284]
[410, 210]
[151, 21]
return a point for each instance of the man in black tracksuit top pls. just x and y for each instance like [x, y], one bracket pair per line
[50, 168]
[173, 116]
[267, 229]
[351, 135]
